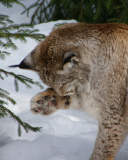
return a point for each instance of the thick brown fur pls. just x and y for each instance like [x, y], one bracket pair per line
[85, 65]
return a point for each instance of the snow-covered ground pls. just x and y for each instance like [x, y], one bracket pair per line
[65, 135]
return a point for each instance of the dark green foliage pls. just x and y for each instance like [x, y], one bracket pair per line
[19, 78]
[8, 33]
[9, 3]
[90, 11]
[4, 97]
[6, 112]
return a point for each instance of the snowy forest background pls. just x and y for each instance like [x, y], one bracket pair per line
[65, 135]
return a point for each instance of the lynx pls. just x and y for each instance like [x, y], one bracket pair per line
[85, 67]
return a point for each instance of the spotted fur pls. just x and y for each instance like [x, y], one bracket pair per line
[85, 65]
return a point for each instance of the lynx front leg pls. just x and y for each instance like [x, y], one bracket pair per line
[113, 122]
[48, 102]
[112, 133]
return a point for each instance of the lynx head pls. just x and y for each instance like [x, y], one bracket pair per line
[60, 60]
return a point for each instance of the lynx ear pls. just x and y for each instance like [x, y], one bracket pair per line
[27, 62]
[70, 59]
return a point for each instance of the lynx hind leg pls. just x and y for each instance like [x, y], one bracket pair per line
[47, 102]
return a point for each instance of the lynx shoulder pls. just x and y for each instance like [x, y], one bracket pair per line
[85, 66]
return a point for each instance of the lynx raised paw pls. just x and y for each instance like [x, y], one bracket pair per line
[47, 102]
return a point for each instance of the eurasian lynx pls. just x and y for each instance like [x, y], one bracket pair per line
[85, 66]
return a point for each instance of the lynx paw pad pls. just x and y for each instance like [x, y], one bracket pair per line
[44, 103]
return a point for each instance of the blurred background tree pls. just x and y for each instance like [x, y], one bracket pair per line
[89, 11]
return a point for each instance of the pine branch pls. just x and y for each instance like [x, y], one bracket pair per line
[23, 79]
[4, 111]
[98, 10]
[3, 54]
[9, 3]
[4, 20]
[123, 14]
[5, 32]
[90, 11]
[8, 32]
[5, 95]
[17, 32]
[40, 11]
[30, 7]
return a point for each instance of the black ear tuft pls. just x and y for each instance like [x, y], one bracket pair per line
[24, 65]
[13, 66]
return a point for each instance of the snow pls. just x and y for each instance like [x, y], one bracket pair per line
[65, 135]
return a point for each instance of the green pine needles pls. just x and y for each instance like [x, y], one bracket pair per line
[9, 3]
[8, 33]
[4, 97]
[89, 11]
